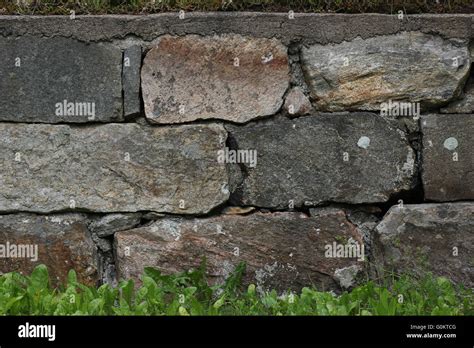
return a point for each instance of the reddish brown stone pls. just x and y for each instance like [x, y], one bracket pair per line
[227, 77]
[63, 243]
[281, 250]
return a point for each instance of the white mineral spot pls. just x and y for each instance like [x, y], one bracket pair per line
[364, 142]
[451, 143]
[409, 166]
[267, 58]
[346, 276]
[224, 188]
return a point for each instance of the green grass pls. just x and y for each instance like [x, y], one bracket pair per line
[150, 6]
[188, 293]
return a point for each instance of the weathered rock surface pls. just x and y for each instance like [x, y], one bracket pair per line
[297, 103]
[61, 242]
[362, 74]
[112, 168]
[448, 161]
[225, 77]
[281, 250]
[351, 158]
[41, 74]
[132, 62]
[464, 105]
[111, 223]
[438, 238]
[308, 28]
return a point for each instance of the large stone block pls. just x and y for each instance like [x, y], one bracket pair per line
[409, 66]
[448, 161]
[420, 238]
[54, 80]
[112, 168]
[226, 77]
[281, 250]
[61, 242]
[350, 158]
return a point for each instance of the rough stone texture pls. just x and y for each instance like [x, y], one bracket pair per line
[111, 223]
[463, 105]
[297, 103]
[192, 77]
[305, 27]
[56, 69]
[132, 62]
[448, 161]
[111, 168]
[303, 160]
[362, 74]
[63, 242]
[282, 250]
[140, 173]
[423, 237]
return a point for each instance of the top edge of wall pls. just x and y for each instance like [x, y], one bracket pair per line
[305, 28]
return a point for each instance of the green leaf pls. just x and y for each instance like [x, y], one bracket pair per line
[72, 277]
[39, 278]
[127, 291]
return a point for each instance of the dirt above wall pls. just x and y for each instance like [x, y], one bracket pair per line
[149, 6]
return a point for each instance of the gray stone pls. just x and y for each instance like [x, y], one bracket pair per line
[448, 162]
[104, 245]
[111, 223]
[361, 74]
[41, 75]
[226, 77]
[316, 159]
[61, 242]
[465, 105]
[420, 238]
[132, 62]
[347, 276]
[307, 28]
[112, 168]
[297, 103]
[282, 250]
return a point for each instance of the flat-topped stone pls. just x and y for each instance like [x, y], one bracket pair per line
[228, 77]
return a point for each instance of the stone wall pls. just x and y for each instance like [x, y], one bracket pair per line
[319, 149]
